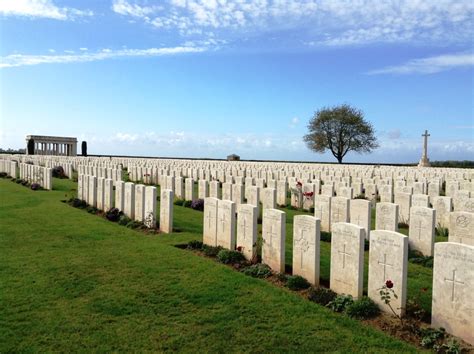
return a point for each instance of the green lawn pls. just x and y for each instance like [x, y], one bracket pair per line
[71, 281]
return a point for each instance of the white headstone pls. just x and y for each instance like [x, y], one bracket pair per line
[386, 217]
[273, 234]
[226, 224]
[306, 247]
[166, 210]
[461, 227]
[247, 230]
[347, 259]
[422, 230]
[453, 289]
[388, 260]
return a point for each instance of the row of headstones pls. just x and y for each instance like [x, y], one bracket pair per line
[9, 167]
[137, 201]
[36, 174]
[67, 167]
[101, 172]
[235, 227]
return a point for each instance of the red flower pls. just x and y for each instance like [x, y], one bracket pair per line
[308, 194]
[389, 284]
[299, 184]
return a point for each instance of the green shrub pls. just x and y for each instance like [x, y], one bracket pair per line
[194, 245]
[325, 236]
[340, 303]
[211, 251]
[442, 231]
[187, 203]
[322, 296]
[124, 220]
[92, 210]
[282, 277]
[431, 337]
[230, 257]
[296, 282]
[452, 347]
[179, 202]
[258, 270]
[133, 224]
[418, 258]
[363, 308]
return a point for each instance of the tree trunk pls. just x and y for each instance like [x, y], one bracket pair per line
[339, 159]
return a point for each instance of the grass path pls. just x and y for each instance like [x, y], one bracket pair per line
[71, 281]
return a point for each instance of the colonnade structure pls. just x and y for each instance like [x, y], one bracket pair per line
[51, 145]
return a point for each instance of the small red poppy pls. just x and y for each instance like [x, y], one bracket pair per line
[389, 284]
[299, 184]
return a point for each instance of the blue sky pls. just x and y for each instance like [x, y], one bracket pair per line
[197, 78]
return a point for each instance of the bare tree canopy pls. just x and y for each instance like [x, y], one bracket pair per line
[340, 129]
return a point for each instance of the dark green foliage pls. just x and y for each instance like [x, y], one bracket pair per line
[78, 203]
[211, 251]
[418, 258]
[454, 164]
[113, 214]
[198, 204]
[31, 147]
[296, 282]
[325, 236]
[360, 196]
[84, 148]
[363, 308]
[124, 220]
[187, 203]
[431, 336]
[403, 225]
[178, 202]
[258, 270]
[92, 210]
[442, 231]
[366, 245]
[134, 224]
[230, 257]
[194, 245]
[322, 296]
[58, 172]
[341, 303]
[340, 129]
[282, 277]
[3, 174]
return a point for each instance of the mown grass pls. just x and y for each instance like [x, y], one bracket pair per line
[71, 281]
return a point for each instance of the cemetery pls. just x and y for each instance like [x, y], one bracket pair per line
[382, 257]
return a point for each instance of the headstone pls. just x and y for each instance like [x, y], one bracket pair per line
[420, 200]
[282, 191]
[386, 217]
[139, 202]
[108, 194]
[461, 227]
[209, 236]
[92, 199]
[404, 202]
[453, 289]
[388, 260]
[166, 211]
[247, 230]
[215, 190]
[120, 195]
[100, 193]
[190, 192]
[339, 210]
[150, 207]
[226, 224]
[273, 234]
[306, 247]
[347, 259]
[443, 206]
[203, 189]
[322, 211]
[129, 202]
[238, 192]
[268, 198]
[422, 230]
[360, 215]
[227, 191]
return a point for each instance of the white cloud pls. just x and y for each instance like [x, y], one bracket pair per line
[40, 9]
[429, 65]
[319, 22]
[83, 49]
[294, 122]
[15, 60]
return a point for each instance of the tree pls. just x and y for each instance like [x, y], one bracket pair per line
[84, 148]
[340, 129]
[31, 147]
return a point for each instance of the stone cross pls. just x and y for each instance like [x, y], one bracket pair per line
[344, 254]
[385, 265]
[454, 281]
[425, 143]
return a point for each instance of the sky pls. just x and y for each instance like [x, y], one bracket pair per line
[207, 78]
